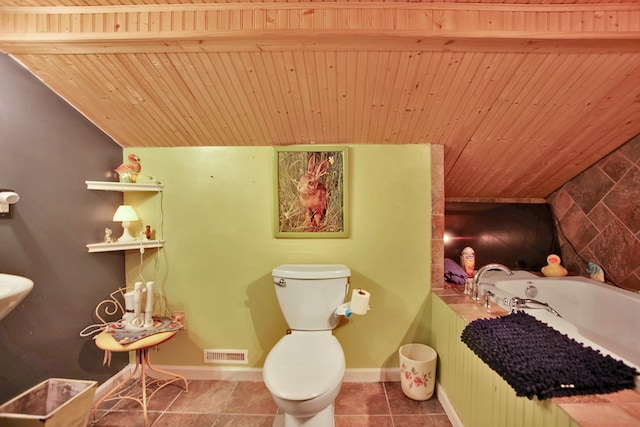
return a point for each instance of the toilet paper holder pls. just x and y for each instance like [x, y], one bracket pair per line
[345, 310]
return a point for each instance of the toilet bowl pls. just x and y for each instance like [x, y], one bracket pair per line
[304, 370]
[304, 374]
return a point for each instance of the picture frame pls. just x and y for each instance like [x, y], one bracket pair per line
[311, 192]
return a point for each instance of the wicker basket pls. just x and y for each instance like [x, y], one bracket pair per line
[55, 402]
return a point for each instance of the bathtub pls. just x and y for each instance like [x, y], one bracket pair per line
[600, 316]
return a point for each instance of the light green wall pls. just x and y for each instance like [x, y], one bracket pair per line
[216, 265]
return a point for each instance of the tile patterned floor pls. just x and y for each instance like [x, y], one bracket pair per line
[248, 404]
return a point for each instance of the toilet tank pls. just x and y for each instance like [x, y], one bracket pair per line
[309, 294]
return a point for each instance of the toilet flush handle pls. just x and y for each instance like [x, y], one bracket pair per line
[281, 282]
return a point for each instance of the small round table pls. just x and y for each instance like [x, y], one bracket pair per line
[126, 389]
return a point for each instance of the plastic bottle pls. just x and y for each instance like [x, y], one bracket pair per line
[468, 261]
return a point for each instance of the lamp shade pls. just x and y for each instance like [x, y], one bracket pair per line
[125, 213]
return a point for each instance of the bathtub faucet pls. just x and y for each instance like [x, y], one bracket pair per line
[475, 293]
[523, 303]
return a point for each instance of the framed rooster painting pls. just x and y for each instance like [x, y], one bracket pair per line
[311, 192]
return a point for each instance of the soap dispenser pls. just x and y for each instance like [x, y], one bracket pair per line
[468, 261]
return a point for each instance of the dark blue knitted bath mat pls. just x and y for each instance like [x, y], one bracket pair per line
[537, 360]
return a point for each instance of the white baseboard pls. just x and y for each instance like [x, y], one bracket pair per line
[109, 384]
[371, 375]
[225, 373]
[232, 373]
[448, 407]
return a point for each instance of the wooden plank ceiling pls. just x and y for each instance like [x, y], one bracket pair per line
[523, 95]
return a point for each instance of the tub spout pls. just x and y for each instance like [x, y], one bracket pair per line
[523, 303]
[476, 279]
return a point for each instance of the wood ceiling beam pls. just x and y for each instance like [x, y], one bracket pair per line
[333, 5]
[321, 41]
[321, 26]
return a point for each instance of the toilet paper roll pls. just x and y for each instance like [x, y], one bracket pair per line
[360, 301]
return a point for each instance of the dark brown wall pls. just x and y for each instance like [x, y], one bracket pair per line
[47, 151]
[599, 217]
[520, 236]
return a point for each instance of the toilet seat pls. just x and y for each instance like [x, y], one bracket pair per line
[304, 365]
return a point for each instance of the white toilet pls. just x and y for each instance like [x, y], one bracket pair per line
[304, 369]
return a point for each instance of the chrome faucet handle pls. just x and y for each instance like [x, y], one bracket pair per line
[475, 291]
[468, 286]
[488, 294]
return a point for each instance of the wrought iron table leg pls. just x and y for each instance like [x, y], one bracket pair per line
[114, 390]
[143, 364]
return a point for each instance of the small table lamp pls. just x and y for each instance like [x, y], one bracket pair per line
[126, 214]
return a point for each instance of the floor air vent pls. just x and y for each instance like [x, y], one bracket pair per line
[226, 356]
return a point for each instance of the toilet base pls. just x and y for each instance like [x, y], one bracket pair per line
[323, 418]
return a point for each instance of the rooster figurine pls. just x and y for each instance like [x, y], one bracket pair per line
[129, 172]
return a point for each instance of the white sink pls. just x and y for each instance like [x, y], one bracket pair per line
[13, 289]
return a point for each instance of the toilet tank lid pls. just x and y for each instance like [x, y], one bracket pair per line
[311, 271]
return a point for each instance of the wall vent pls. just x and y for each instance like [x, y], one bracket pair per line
[226, 356]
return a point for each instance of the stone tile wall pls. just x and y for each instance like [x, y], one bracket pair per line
[598, 217]
[437, 216]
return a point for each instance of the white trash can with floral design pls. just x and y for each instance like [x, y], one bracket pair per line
[418, 370]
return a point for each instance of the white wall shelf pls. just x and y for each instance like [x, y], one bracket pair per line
[115, 246]
[122, 186]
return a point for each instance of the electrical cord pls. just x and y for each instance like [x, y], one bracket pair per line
[160, 305]
[99, 327]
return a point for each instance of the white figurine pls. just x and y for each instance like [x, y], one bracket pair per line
[108, 238]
